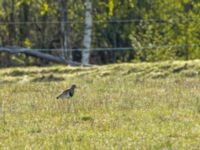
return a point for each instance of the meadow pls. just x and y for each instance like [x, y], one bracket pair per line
[120, 106]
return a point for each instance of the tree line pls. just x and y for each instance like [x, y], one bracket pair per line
[101, 32]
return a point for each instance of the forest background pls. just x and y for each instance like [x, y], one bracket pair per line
[121, 31]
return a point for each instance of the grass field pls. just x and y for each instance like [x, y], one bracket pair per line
[122, 106]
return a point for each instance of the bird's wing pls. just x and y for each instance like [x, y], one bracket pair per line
[63, 93]
[66, 91]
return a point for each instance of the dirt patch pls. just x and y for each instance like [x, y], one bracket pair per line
[48, 78]
[16, 73]
[180, 68]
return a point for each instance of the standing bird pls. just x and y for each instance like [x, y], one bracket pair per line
[67, 93]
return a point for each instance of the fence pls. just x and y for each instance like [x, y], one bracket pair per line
[110, 36]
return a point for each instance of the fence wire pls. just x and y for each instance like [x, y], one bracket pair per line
[117, 48]
[164, 20]
[110, 36]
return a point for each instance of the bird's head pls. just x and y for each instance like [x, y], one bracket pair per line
[73, 86]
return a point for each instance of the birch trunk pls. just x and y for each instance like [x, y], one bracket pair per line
[87, 33]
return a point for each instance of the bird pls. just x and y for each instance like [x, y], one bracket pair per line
[67, 93]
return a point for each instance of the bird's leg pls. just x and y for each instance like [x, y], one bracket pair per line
[68, 106]
[57, 107]
[63, 104]
[73, 105]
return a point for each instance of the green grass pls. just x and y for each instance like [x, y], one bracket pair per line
[122, 106]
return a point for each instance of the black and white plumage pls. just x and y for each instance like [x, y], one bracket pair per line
[67, 93]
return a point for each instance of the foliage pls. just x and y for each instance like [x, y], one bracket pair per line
[156, 30]
[111, 7]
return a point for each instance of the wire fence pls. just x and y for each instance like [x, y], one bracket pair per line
[118, 48]
[164, 20]
[108, 35]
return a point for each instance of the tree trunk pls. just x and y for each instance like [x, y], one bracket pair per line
[63, 6]
[87, 33]
[37, 54]
[24, 17]
[11, 27]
